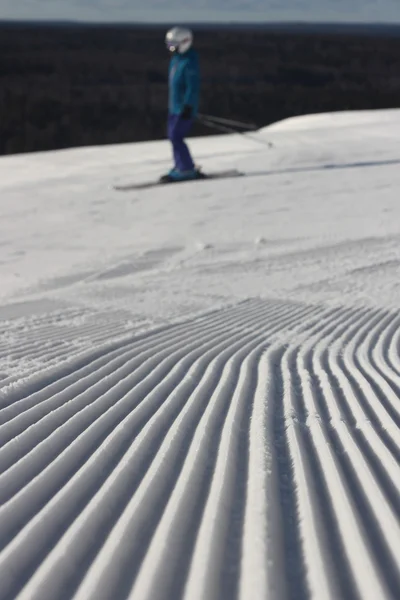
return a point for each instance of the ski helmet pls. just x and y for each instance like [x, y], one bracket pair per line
[179, 39]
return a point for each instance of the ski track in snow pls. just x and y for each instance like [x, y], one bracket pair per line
[200, 385]
[249, 452]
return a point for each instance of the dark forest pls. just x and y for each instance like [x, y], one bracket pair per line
[65, 85]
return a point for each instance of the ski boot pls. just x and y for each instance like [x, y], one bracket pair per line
[175, 175]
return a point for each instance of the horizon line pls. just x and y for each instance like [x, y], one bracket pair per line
[214, 23]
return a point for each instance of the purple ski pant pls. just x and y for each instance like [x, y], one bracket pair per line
[178, 129]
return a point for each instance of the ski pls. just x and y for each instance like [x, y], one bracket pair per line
[226, 174]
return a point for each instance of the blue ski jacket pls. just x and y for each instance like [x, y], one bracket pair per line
[184, 82]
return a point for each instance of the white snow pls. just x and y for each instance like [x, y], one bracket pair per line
[200, 383]
[316, 219]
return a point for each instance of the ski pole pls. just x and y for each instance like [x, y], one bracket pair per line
[226, 129]
[228, 122]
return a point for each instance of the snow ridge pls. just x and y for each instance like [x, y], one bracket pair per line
[250, 452]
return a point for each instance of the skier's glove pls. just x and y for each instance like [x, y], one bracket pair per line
[186, 112]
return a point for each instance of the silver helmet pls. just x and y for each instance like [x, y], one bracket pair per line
[179, 39]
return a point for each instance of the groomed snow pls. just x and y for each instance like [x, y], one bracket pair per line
[200, 384]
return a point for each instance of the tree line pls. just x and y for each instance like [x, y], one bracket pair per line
[64, 86]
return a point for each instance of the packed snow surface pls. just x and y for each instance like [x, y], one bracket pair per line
[200, 383]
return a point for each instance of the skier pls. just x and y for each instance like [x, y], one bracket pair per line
[184, 83]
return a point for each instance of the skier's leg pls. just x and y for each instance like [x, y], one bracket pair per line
[172, 122]
[180, 129]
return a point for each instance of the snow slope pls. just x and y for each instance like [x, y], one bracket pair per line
[200, 384]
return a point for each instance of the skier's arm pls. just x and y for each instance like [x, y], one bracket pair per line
[192, 80]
